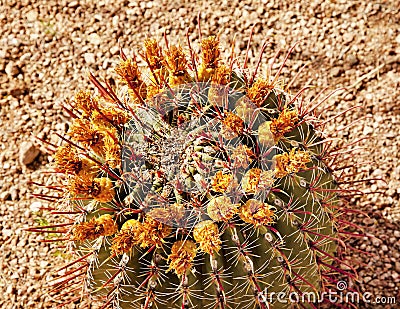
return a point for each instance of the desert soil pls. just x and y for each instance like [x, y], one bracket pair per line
[47, 47]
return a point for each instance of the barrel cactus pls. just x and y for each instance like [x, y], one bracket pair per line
[195, 183]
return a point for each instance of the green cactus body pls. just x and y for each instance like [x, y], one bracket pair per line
[210, 194]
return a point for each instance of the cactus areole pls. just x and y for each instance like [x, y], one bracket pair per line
[196, 183]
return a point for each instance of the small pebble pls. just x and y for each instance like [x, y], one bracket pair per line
[35, 206]
[27, 153]
[12, 69]
[89, 58]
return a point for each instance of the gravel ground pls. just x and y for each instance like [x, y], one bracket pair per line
[46, 47]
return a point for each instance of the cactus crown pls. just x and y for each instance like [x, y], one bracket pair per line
[194, 184]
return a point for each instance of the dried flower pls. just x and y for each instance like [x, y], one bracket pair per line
[100, 189]
[220, 182]
[81, 184]
[176, 64]
[133, 232]
[242, 156]
[250, 180]
[257, 213]
[256, 180]
[130, 74]
[85, 102]
[245, 108]
[67, 160]
[265, 136]
[182, 256]
[221, 209]
[152, 92]
[210, 56]
[168, 215]
[285, 123]
[291, 162]
[103, 191]
[206, 234]
[210, 53]
[112, 151]
[128, 71]
[259, 91]
[96, 227]
[127, 237]
[233, 125]
[154, 232]
[153, 54]
[109, 117]
[83, 132]
[221, 75]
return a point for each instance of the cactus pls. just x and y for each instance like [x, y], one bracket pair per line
[195, 184]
